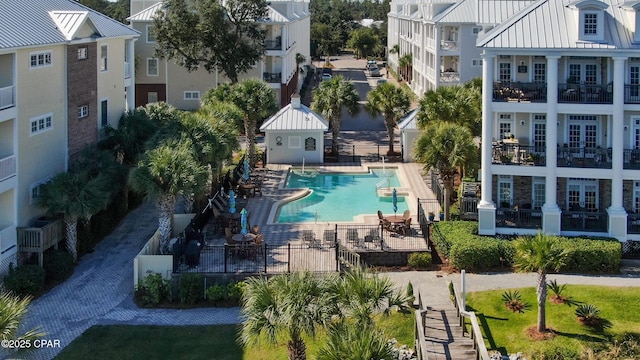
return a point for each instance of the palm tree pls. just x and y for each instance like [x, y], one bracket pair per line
[406, 62]
[289, 304]
[77, 196]
[162, 174]
[330, 98]
[446, 147]
[461, 105]
[392, 102]
[541, 253]
[355, 342]
[127, 141]
[12, 311]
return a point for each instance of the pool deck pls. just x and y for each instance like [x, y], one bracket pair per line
[261, 208]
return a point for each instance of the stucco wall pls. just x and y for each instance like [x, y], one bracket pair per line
[288, 152]
[111, 81]
[408, 139]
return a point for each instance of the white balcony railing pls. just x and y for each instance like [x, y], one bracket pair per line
[6, 97]
[449, 45]
[449, 77]
[7, 167]
[127, 70]
[8, 239]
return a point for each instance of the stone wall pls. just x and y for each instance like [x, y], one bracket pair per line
[82, 85]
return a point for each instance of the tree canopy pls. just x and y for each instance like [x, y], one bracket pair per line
[365, 41]
[461, 105]
[216, 35]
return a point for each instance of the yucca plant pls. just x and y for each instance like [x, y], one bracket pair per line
[513, 301]
[588, 315]
[557, 297]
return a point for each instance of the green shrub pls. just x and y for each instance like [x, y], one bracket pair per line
[58, 266]
[554, 352]
[591, 255]
[25, 280]
[419, 260]
[153, 289]
[235, 290]
[217, 292]
[190, 288]
[447, 232]
[475, 254]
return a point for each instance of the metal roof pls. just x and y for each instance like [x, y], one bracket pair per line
[491, 12]
[552, 24]
[37, 22]
[290, 119]
[147, 14]
[409, 121]
[463, 11]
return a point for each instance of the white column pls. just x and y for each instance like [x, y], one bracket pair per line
[617, 214]
[486, 208]
[550, 210]
[131, 91]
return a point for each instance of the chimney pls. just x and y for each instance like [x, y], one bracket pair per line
[295, 100]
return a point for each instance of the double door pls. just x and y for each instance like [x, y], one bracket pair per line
[582, 195]
[582, 137]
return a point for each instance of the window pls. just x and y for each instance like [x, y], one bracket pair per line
[36, 189]
[104, 118]
[294, 142]
[505, 187]
[150, 37]
[83, 111]
[152, 67]
[476, 30]
[103, 58]
[539, 132]
[539, 72]
[40, 59]
[152, 97]
[83, 53]
[192, 95]
[504, 126]
[476, 62]
[41, 124]
[590, 24]
[504, 71]
[538, 192]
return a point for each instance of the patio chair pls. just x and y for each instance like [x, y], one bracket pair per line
[353, 238]
[405, 228]
[406, 214]
[233, 245]
[260, 244]
[329, 237]
[309, 237]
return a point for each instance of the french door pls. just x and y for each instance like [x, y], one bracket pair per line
[634, 82]
[582, 135]
[582, 195]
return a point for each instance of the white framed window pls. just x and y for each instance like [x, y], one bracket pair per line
[36, 189]
[104, 113]
[152, 66]
[40, 59]
[83, 111]
[103, 57]
[476, 30]
[539, 72]
[83, 53]
[582, 194]
[504, 71]
[590, 26]
[150, 37]
[295, 142]
[476, 62]
[41, 123]
[192, 95]
[505, 191]
[539, 132]
[504, 126]
[538, 189]
[505, 57]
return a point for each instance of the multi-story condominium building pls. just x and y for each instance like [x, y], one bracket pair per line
[64, 73]
[561, 120]
[441, 37]
[287, 34]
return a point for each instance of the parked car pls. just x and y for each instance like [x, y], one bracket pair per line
[382, 81]
[326, 76]
[374, 71]
[371, 63]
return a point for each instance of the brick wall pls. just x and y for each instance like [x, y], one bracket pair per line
[82, 85]
[142, 93]
[627, 194]
[605, 194]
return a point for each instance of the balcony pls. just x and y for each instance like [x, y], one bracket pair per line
[519, 218]
[273, 44]
[584, 221]
[519, 92]
[449, 77]
[7, 240]
[44, 234]
[272, 77]
[633, 223]
[7, 167]
[631, 159]
[449, 45]
[584, 157]
[631, 94]
[585, 94]
[7, 97]
[515, 154]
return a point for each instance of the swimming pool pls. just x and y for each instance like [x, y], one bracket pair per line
[338, 197]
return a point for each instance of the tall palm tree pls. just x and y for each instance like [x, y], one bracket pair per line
[405, 63]
[461, 105]
[330, 98]
[390, 101]
[290, 304]
[127, 141]
[541, 254]
[162, 174]
[77, 196]
[446, 147]
[13, 308]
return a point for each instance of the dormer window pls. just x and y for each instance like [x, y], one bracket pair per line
[591, 23]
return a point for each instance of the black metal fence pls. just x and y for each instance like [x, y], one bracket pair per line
[519, 218]
[375, 238]
[584, 221]
[370, 153]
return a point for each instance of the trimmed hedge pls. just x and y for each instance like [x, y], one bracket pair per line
[25, 280]
[460, 243]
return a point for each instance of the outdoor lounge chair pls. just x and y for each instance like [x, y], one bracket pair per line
[353, 238]
[329, 237]
[309, 237]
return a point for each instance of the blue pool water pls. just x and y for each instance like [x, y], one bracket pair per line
[339, 196]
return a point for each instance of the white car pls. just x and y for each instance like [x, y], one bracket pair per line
[326, 76]
[374, 71]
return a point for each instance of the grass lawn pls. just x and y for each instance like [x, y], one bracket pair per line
[505, 331]
[200, 342]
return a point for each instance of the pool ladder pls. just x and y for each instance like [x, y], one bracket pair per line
[382, 182]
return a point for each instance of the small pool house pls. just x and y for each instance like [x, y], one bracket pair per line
[409, 132]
